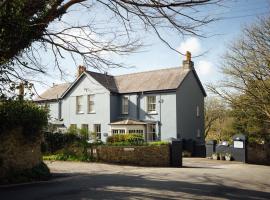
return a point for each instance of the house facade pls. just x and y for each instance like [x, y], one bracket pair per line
[160, 104]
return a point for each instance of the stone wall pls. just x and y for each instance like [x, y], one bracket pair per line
[18, 153]
[135, 155]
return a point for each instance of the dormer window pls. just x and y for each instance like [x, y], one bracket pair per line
[151, 104]
[79, 104]
[125, 105]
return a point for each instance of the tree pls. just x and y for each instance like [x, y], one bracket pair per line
[214, 111]
[29, 26]
[246, 86]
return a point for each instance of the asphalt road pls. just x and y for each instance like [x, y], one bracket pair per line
[199, 179]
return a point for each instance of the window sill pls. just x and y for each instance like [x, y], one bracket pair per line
[124, 113]
[92, 112]
[79, 113]
[152, 113]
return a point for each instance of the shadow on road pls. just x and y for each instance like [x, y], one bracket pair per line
[122, 186]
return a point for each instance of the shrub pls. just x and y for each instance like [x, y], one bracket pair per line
[22, 114]
[56, 141]
[158, 143]
[131, 139]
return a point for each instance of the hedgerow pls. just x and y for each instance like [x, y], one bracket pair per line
[22, 114]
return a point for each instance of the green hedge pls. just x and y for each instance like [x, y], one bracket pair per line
[56, 141]
[125, 139]
[22, 114]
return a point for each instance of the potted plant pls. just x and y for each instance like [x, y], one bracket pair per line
[221, 156]
[228, 156]
[215, 156]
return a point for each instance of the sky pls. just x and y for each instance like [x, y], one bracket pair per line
[233, 16]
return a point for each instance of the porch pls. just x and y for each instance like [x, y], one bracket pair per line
[130, 126]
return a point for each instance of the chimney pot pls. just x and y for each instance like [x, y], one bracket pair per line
[81, 69]
[188, 64]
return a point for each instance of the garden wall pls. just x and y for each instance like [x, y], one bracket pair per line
[18, 153]
[136, 155]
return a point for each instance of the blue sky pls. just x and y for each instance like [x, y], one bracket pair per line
[234, 15]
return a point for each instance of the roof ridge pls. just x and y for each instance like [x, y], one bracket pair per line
[105, 74]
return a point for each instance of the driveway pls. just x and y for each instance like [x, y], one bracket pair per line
[199, 179]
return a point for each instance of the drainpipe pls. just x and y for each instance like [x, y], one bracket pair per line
[160, 123]
[138, 105]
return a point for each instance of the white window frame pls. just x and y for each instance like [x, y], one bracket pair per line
[79, 108]
[151, 106]
[125, 105]
[118, 131]
[97, 130]
[91, 103]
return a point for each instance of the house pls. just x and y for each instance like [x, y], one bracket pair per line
[159, 104]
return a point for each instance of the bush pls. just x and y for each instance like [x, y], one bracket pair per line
[56, 141]
[128, 139]
[22, 114]
[158, 143]
[38, 173]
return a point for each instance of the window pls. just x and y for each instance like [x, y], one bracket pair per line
[198, 111]
[91, 103]
[198, 133]
[136, 131]
[73, 126]
[85, 126]
[151, 104]
[152, 131]
[79, 104]
[118, 131]
[97, 130]
[73, 129]
[125, 105]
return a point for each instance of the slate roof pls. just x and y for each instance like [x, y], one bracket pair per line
[104, 79]
[54, 92]
[163, 79]
[155, 80]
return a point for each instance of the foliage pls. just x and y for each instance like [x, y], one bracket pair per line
[131, 139]
[157, 143]
[215, 113]
[56, 141]
[22, 114]
[67, 157]
[246, 86]
[38, 173]
[39, 27]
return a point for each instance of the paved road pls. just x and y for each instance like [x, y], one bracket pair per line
[199, 179]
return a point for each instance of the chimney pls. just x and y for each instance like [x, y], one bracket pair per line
[188, 64]
[81, 69]
[21, 91]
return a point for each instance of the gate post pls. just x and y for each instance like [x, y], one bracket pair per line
[176, 147]
[210, 147]
[240, 148]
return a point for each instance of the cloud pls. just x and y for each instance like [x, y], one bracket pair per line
[191, 44]
[204, 67]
